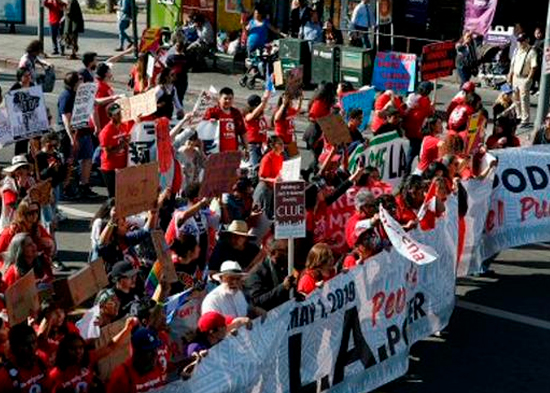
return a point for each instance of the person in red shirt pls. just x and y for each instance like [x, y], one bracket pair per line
[104, 96]
[503, 135]
[364, 210]
[366, 245]
[231, 122]
[467, 89]
[256, 126]
[431, 144]
[419, 108]
[383, 103]
[113, 140]
[141, 372]
[319, 268]
[322, 103]
[270, 169]
[409, 201]
[56, 9]
[283, 118]
[24, 371]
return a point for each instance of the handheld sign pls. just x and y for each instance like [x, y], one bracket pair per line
[394, 71]
[290, 210]
[27, 112]
[438, 60]
[221, 173]
[362, 99]
[137, 189]
[335, 129]
[87, 282]
[83, 105]
[118, 355]
[22, 299]
[161, 248]
[294, 82]
[150, 40]
[139, 105]
[476, 132]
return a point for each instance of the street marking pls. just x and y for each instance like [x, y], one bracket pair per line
[76, 212]
[495, 312]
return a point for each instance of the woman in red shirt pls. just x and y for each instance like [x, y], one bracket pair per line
[139, 80]
[385, 101]
[256, 126]
[322, 103]
[283, 118]
[104, 96]
[319, 268]
[429, 152]
[270, 168]
[503, 135]
[409, 201]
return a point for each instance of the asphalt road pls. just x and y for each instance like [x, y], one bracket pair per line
[501, 347]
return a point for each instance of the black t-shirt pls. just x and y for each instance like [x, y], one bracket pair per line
[128, 301]
[86, 75]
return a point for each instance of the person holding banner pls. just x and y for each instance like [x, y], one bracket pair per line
[542, 136]
[24, 80]
[319, 269]
[419, 108]
[431, 143]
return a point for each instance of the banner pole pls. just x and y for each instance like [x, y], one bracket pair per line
[290, 256]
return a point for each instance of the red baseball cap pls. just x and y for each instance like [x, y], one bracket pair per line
[212, 320]
[469, 87]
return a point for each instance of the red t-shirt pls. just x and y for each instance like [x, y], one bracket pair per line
[429, 152]
[164, 353]
[379, 104]
[48, 345]
[319, 109]
[55, 8]
[30, 381]
[351, 237]
[126, 379]
[9, 197]
[350, 261]
[284, 128]
[103, 90]
[256, 130]
[404, 213]
[231, 126]
[415, 117]
[458, 119]
[307, 282]
[110, 137]
[492, 142]
[271, 165]
[79, 379]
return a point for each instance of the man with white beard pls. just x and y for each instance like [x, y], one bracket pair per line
[228, 298]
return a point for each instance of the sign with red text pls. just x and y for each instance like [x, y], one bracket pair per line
[438, 60]
[221, 173]
[290, 210]
[137, 189]
[403, 242]
[394, 71]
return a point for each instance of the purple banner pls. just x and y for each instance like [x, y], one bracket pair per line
[479, 15]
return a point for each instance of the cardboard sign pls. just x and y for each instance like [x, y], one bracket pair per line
[163, 256]
[107, 364]
[22, 299]
[294, 82]
[221, 173]
[278, 74]
[438, 60]
[290, 210]
[83, 105]
[139, 105]
[476, 132]
[362, 99]
[394, 71]
[137, 189]
[335, 130]
[41, 193]
[87, 282]
[27, 112]
[150, 40]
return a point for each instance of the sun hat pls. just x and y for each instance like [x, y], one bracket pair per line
[238, 227]
[229, 268]
[144, 339]
[16, 163]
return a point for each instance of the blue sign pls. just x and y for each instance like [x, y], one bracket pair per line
[394, 71]
[12, 11]
[362, 99]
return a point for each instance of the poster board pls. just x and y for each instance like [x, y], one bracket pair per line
[22, 299]
[13, 11]
[438, 60]
[362, 99]
[83, 104]
[394, 71]
[220, 174]
[294, 82]
[87, 282]
[41, 193]
[143, 104]
[27, 113]
[476, 132]
[150, 40]
[335, 129]
[107, 364]
[137, 189]
[163, 256]
[290, 210]
[278, 73]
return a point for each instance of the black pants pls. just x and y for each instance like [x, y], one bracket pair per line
[110, 181]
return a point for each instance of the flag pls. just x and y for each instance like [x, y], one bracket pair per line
[153, 279]
[269, 85]
[174, 303]
[427, 213]
[87, 325]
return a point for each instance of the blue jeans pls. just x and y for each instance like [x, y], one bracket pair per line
[123, 24]
[57, 33]
[464, 74]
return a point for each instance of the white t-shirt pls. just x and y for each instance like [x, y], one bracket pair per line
[524, 61]
[225, 302]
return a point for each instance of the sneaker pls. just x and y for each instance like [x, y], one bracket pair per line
[119, 49]
[87, 192]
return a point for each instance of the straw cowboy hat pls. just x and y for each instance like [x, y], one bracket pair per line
[229, 268]
[238, 227]
[16, 163]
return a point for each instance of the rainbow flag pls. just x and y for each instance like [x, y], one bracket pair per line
[153, 279]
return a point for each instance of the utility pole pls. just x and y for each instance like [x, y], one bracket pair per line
[41, 22]
[135, 29]
[544, 88]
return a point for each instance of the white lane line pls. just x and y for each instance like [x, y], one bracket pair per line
[495, 312]
[76, 212]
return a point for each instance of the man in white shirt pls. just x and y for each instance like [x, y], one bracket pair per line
[522, 72]
[362, 19]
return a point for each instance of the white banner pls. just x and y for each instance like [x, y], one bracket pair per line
[352, 335]
[83, 105]
[27, 112]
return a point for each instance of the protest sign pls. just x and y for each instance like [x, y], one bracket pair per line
[476, 132]
[388, 153]
[27, 112]
[142, 148]
[87, 282]
[403, 242]
[118, 355]
[385, 306]
[291, 169]
[150, 65]
[6, 134]
[335, 129]
[220, 173]
[478, 15]
[290, 210]
[278, 73]
[83, 105]
[143, 104]
[394, 71]
[362, 99]
[150, 40]
[205, 100]
[41, 193]
[22, 299]
[294, 82]
[137, 189]
[438, 60]
[209, 134]
[163, 256]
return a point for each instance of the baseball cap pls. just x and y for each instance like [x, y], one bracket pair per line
[123, 269]
[506, 89]
[212, 320]
[469, 87]
[144, 339]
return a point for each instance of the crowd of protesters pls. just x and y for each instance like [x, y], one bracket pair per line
[224, 245]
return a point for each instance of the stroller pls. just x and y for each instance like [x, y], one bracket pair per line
[494, 65]
[259, 65]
